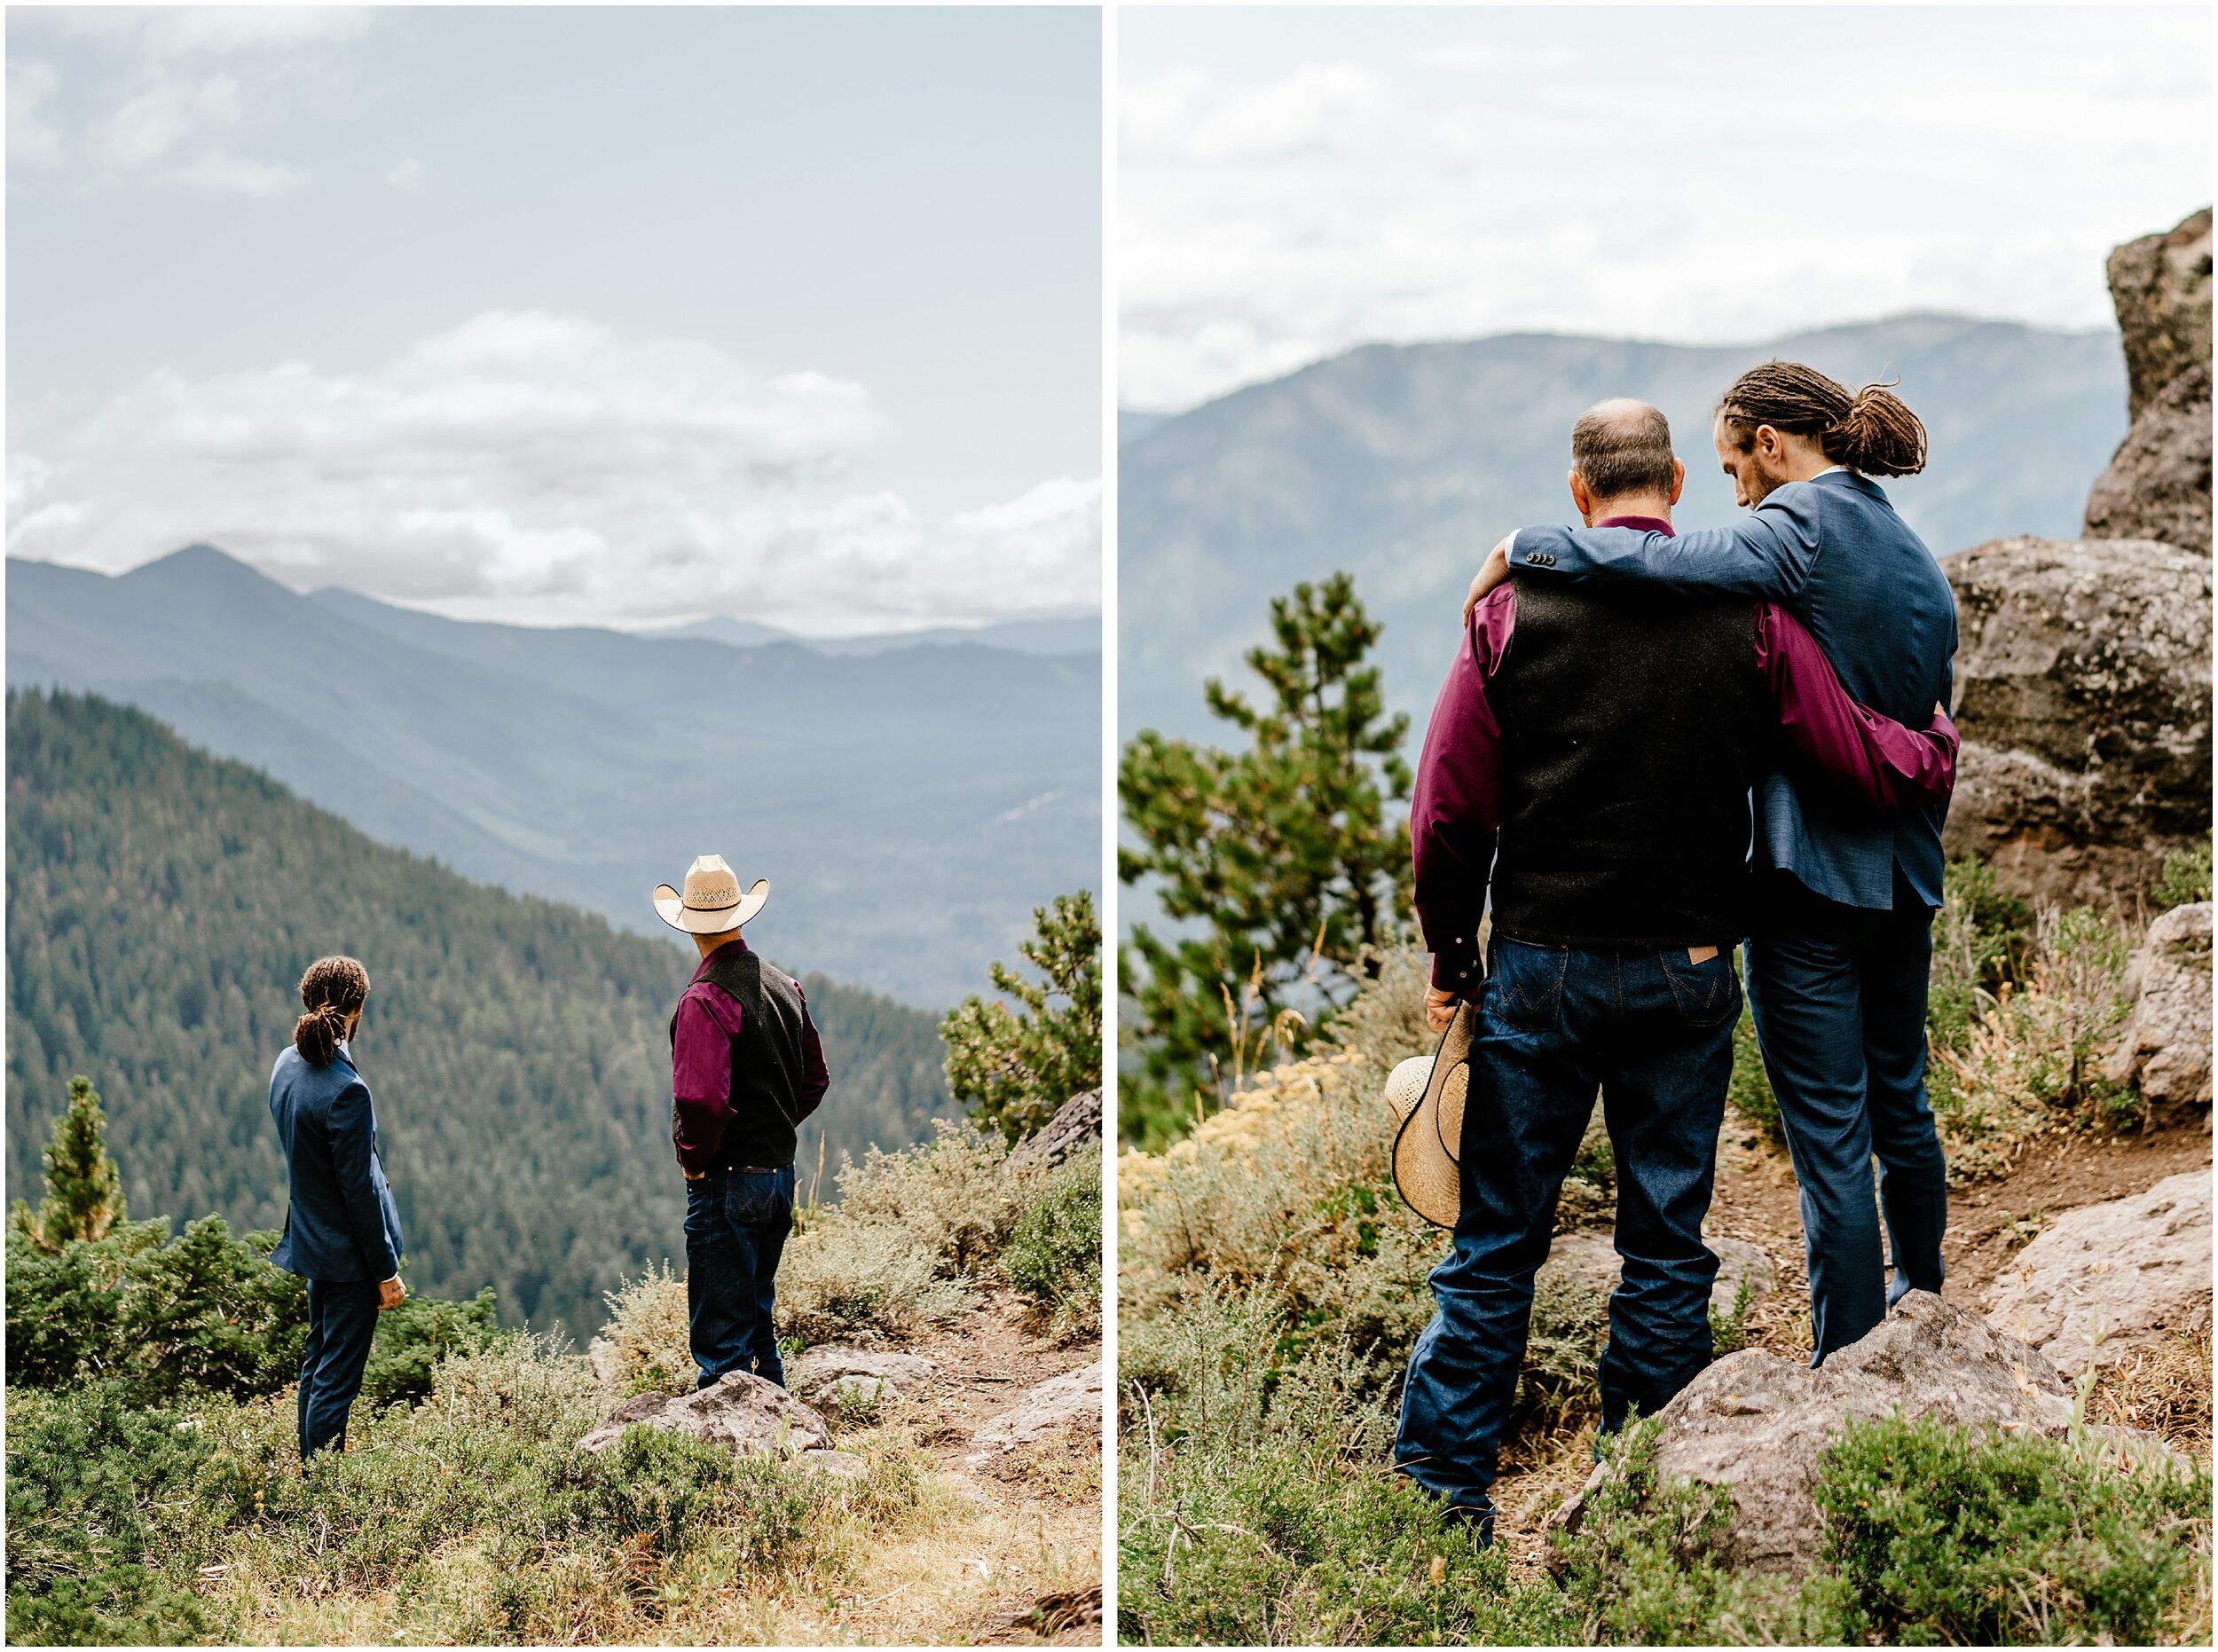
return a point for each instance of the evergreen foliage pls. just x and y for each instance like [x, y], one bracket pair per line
[1279, 865]
[161, 905]
[84, 1196]
[1014, 1070]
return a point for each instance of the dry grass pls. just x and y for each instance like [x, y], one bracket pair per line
[2163, 1388]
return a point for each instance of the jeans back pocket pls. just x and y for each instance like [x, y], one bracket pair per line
[1527, 985]
[1706, 993]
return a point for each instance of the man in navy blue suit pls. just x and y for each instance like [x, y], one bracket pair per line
[1841, 944]
[342, 1231]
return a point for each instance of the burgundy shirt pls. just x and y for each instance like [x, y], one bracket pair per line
[701, 1067]
[1456, 809]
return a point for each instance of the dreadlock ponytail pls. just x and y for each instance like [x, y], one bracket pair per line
[333, 991]
[1872, 430]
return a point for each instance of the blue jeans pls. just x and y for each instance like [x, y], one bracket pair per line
[736, 1223]
[1838, 995]
[342, 1323]
[1653, 1033]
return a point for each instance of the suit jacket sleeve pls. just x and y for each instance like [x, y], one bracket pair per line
[1766, 554]
[352, 1147]
[1883, 764]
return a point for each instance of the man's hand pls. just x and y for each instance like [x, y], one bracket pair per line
[391, 1293]
[1440, 1008]
[1492, 572]
[694, 1176]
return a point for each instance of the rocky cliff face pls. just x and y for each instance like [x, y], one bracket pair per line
[2158, 485]
[2083, 675]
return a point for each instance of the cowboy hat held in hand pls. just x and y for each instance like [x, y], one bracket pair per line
[713, 903]
[1427, 1094]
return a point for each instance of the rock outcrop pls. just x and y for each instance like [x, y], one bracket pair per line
[1072, 1400]
[1759, 1423]
[2108, 1278]
[1076, 1124]
[2164, 1053]
[2158, 485]
[822, 1375]
[740, 1410]
[2083, 696]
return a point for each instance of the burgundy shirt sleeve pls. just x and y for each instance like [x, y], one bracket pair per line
[1455, 806]
[1886, 766]
[701, 1072]
[815, 1077]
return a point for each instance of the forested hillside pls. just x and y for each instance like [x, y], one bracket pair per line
[161, 904]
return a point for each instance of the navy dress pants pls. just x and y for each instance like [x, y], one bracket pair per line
[736, 1224]
[1838, 995]
[342, 1321]
[1653, 1031]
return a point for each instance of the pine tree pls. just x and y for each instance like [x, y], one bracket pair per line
[84, 1191]
[1016, 1070]
[1278, 862]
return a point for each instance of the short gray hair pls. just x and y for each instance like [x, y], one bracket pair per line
[1622, 447]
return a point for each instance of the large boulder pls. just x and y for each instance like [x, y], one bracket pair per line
[2164, 1051]
[747, 1412]
[822, 1375]
[1759, 1424]
[2158, 485]
[2108, 1278]
[1055, 1408]
[2083, 697]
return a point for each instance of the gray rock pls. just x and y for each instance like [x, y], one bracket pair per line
[822, 1375]
[1073, 1399]
[2164, 1051]
[1759, 1423]
[2131, 1272]
[739, 1409]
[2158, 485]
[2083, 696]
[1076, 1125]
[1590, 1262]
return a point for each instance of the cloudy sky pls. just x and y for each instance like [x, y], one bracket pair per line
[566, 315]
[1294, 182]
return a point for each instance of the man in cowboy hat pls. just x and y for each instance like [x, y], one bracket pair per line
[746, 1066]
[1589, 764]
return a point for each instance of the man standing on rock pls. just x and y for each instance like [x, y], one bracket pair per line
[746, 1066]
[1588, 764]
[1841, 946]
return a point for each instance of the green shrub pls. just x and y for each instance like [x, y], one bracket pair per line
[1053, 1256]
[204, 1313]
[87, 1560]
[2185, 879]
[1966, 1536]
[412, 1338]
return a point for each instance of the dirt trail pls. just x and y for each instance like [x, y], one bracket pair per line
[1010, 1553]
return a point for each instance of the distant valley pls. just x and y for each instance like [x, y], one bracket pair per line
[910, 804]
[1404, 463]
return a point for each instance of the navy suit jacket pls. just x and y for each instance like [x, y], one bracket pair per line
[341, 1223]
[1835, 554]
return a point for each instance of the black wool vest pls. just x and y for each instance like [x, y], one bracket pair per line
[765, 1060]
[1633, 726]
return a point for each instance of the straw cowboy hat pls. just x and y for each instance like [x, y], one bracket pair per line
[711, 903]
[1427, 1094]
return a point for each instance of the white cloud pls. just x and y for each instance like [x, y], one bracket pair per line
[545, 468]
[406, 173]
[161, 90]
[1371, 184]
[32, 139]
